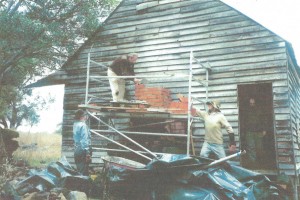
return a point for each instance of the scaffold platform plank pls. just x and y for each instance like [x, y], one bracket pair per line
[120, 112]
[129, 104]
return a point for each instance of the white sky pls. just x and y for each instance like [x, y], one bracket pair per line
[281, 17]
[53, 116]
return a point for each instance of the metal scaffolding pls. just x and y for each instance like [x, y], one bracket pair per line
[110, 129]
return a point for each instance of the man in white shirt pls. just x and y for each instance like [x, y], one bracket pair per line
[123, 66]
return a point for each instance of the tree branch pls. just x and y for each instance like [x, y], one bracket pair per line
[10, 63]
[4, 122]
[15, 8]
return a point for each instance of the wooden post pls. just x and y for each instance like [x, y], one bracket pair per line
[87, 79]
[189, 124]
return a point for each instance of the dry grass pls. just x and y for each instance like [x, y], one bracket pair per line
[38, 149]
[6, 173]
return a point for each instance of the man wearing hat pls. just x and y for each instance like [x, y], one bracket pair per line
[82, 142]
[214, 120]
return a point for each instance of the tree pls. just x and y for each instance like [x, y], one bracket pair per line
[26, 108]
[37, 36]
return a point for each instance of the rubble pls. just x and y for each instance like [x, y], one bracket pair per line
[58, 181]
[170, 177]
[180, 177]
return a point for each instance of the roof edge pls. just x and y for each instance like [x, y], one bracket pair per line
[59, 77]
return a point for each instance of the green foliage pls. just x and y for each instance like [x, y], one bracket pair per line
[7, 94]
[26, 108]
[37, 36]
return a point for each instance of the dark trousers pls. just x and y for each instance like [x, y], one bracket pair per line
[254, 146]
[80, 160]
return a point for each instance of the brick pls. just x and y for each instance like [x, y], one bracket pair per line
[155, 96]
[183, 106]
[139, 86]
[173, 105]
[184, 99]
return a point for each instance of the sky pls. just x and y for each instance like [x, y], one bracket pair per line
[51, 117]
[281, 17]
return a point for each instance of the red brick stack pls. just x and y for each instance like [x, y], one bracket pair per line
[155, 96]
[160, 97]
[180, 107]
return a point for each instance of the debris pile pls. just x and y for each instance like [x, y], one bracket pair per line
[58, 181]
[178, 177]
[170, 177]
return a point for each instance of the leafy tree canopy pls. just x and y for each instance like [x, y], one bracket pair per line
[39, 35]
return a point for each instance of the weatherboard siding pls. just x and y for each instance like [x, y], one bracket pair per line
[239, 50]
[294, 99]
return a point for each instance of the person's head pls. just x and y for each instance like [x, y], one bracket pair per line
[213, 106]
[132, 57]
[79, 115]
[252, 102]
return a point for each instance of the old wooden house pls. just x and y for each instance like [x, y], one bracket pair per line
[246, 61]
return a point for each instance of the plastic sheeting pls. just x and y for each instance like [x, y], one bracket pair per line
[57, 174]
[171, 177]
[178, 177]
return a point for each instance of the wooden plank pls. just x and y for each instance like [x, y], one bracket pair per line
[189, 46]
[183, 61]
[141, 56]
[121, 13]
[146, 40]
[183, 4]
[284, 110]
[146, 5]
[208, 52]
[177, 24]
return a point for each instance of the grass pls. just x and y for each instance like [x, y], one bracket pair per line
[38, 149]
[6, 173]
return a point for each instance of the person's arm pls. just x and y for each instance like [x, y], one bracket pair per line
[130, 71]
[198, 113]
[85, 143]
[84, 139]
[228, 127]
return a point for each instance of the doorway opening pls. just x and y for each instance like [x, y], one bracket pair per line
[256, 119]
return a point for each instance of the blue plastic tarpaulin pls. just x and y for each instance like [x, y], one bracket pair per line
[180, 177]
